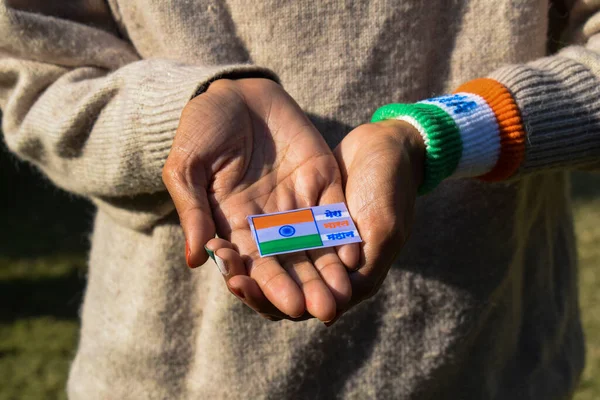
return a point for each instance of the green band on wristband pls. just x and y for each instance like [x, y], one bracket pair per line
[440, 133]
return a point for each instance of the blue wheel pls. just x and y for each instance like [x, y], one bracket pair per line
[287, 231]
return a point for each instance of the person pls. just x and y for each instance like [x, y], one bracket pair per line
[108, 98]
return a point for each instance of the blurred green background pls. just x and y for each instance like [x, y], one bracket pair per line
[42, 277]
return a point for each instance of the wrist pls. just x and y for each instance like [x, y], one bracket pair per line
[476, 132]
[443, 147]
[406, 137]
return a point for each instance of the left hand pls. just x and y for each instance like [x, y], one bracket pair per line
[245, 147]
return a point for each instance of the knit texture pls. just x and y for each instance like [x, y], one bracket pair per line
[440, 133]
[475, 133]
[482, 301]
[559, 101]
[478, 128]
[461, 133]
[548, 96]
[511, 134]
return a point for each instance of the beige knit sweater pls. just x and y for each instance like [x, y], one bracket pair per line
[482, 303]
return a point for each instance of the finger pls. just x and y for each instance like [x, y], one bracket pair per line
[232, 266]
[365, 284]
[229, 262]
[273, 281]
[271, 317]
[349, 254]
[334, 275]
[188, 192]
[278, 287]
[247, 290]
[319, 300]
[377, 207]
[336, 319]
[240, 284]
[215, 244]
[278, 317]
[344, 154]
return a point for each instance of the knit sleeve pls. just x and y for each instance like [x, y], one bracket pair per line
[79, 103]
[520, 119]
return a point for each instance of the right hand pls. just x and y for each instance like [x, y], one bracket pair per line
[245, 147]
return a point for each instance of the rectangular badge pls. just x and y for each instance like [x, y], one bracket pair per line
[303, 229]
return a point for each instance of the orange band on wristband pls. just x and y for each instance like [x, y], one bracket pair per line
[512, 134]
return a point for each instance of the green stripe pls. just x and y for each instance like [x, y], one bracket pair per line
[291, 244]
[444, 147]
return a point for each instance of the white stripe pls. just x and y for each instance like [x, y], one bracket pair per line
[417, 126]
[272, 233]
[478, 129]
[321, 217]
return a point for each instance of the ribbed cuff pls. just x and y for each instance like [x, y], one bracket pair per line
[479, 133]
[524, 118]
[440, 133]
[506, 118]
[559, 101]
[475, 132]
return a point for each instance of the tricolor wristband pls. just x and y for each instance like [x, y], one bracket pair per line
[475, 132]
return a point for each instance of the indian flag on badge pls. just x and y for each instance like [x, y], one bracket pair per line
[286, 232]
[308, 228]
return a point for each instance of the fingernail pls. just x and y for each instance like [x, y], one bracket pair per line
[238, 293]
[221, 265]
[270, 317]
[210, 253]
[188, 254]
[333, 321]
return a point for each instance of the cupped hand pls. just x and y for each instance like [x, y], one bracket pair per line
[245, 147]
[382, 166]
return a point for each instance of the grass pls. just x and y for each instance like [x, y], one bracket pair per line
[40, 299]
[42, 278]
[42, 265]
[587, 220]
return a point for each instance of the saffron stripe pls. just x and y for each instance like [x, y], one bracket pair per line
[285, 218]
[291, 244]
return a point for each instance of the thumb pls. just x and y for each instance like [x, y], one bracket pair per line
[349, 254]
[345, 153]
[188, 189]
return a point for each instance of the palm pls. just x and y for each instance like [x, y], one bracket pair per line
[277, 179]
[266, 157]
